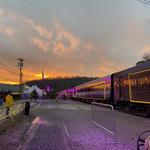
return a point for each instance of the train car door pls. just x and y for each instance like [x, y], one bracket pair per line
[120, 88]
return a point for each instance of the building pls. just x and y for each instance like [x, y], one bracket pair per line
[9, 87]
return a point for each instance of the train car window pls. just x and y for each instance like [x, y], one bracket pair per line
[140, 86]
[136, 82]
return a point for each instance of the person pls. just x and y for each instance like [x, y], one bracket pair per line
[9, 102]
[27, 108]
[1, 100]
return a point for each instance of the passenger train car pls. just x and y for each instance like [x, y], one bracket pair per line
[128, 89]
[132, 87]
[97, 90]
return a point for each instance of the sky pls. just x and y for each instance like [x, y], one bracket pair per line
[71, 37]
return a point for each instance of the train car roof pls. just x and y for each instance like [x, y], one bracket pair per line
[71, 89]
[105, 78]
[137, 68]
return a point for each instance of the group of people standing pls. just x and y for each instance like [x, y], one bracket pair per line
[7, 101]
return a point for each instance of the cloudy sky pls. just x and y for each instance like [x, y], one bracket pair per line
[71, 37]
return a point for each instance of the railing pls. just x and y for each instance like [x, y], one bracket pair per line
[103, 115]
[17, 108]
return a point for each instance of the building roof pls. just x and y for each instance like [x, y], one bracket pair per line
[9, 87]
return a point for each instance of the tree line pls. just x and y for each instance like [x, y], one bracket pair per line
[54, 85]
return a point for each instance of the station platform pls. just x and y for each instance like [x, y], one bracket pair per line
[67, 125]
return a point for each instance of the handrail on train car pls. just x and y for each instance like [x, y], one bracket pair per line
[104, 105]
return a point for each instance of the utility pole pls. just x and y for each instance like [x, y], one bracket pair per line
[43, 86]
[42, 75]
[20, 65]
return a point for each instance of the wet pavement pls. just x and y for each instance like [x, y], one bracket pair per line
[63, 126]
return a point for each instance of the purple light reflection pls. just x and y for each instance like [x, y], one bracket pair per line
[39, 121]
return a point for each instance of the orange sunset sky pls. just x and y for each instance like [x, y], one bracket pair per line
[71, 37]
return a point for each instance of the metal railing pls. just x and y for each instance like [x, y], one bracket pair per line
[103, 115]
[15, 109]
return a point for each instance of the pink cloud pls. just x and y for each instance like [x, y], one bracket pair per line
[9, 31]
[65, 41]
[55, 38]
[63, 34]
[59, 49]
[41, 30]
[40, 43]
[58, 39]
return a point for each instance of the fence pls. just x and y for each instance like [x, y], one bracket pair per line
[103, 115]
[17, 108]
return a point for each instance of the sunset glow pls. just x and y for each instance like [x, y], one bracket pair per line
[72, 38]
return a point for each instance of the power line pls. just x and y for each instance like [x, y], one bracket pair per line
[4, 65]
[8, 70]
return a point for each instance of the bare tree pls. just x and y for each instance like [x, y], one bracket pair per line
[140, 62]
[145, 2]
[146, 57]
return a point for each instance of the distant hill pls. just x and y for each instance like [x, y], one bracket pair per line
[59, 84]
